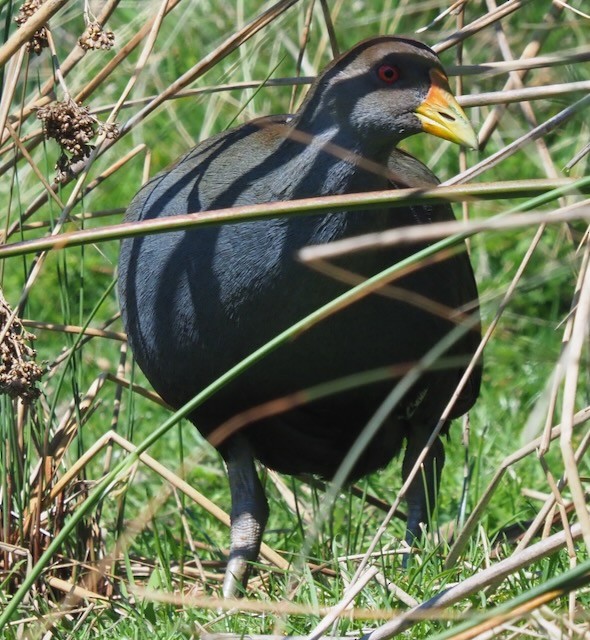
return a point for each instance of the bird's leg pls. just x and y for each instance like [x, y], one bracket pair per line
[249, 514]
[423, 489]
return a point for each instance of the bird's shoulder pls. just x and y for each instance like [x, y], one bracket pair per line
[409, 172]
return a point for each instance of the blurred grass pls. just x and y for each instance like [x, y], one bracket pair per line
[519, 359]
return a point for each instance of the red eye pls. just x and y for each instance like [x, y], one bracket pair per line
[388, 73]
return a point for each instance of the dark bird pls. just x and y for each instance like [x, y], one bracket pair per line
[196, 302]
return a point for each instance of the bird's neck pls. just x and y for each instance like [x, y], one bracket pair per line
[357, 160]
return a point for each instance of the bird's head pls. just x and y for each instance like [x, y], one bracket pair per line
[386, 89]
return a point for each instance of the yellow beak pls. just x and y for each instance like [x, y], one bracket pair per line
[441, 115]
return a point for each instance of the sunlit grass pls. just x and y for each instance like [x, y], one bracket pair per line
[167, 542]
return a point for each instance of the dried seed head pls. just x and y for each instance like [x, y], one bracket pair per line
[110, 130]
[62, 169]
[95, 37]
[73, 126]
[38, 40]
[19, 372]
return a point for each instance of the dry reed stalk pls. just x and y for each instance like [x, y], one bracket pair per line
[399, 197]
[579, 419]
[475, 584]
[26, 31]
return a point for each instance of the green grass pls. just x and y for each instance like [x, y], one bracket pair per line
[164, 544]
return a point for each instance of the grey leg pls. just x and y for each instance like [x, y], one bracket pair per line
[424, 488]
[249, 514]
